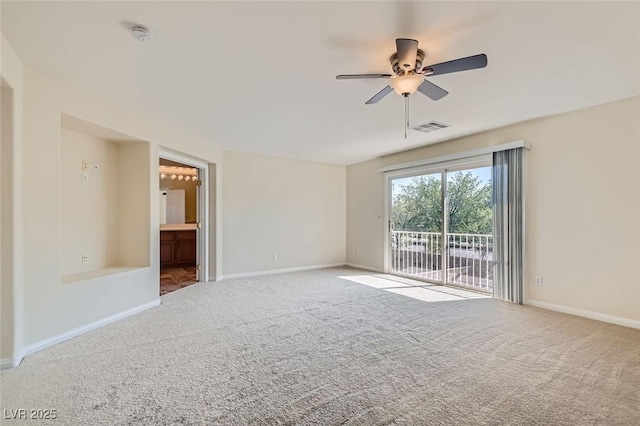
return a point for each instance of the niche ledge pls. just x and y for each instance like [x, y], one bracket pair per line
[90, 275]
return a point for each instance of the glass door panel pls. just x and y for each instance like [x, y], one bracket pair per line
[416, 228]
[469, 227]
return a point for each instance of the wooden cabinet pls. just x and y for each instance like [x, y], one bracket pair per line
[177, 248]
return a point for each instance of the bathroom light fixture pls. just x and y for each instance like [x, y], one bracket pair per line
[178, 173]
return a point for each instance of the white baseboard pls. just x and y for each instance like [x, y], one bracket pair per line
[43, 344]
[6, 363]
[280, 271]
[627, 322]
[366, 268]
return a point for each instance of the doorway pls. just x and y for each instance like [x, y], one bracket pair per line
[440, 224]
[180, 224]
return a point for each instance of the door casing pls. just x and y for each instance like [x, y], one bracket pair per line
[202, 205]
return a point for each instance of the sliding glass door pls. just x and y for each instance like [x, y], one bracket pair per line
[443, 233]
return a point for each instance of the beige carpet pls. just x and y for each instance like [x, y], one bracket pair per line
[328, 347]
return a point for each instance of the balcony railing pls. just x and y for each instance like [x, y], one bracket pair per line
[420, 254]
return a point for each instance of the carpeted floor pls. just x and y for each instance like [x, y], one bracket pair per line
[335, 346]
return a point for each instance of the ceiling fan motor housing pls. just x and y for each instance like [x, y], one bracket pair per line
[395, 66]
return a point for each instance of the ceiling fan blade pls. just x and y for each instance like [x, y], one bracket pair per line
[407, 51]
[381, 94]
[462, 64]
[355, 76]
[434, 92]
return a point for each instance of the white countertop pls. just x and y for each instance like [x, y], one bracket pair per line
[178, 227]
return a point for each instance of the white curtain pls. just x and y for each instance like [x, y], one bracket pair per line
[508, 225]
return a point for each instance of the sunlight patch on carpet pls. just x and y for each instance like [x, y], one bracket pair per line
[415, 289]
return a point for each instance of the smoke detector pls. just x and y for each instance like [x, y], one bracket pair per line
[141, 33]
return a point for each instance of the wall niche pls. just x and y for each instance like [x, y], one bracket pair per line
[105, 201]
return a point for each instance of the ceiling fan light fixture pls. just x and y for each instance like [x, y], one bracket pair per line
[406, 84]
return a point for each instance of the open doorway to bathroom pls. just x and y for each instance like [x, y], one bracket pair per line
[179, 224]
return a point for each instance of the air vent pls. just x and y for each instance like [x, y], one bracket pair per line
[430, 127]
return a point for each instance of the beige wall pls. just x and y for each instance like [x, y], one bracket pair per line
[582, 205]
[295, 209]
[6, 218]
[134, 212]
[89, 211]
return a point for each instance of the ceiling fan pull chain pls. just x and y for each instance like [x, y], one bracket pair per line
[406, 115]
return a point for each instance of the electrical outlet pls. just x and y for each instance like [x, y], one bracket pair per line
[275, 256]
[357, 253]
[85, 259]
[85, 178]
[538, 281]
[85, 165]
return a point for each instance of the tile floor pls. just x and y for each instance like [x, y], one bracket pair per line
[176, 278]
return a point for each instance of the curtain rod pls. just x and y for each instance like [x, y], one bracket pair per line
[457, 156]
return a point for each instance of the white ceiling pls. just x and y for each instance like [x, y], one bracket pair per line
[260, 76]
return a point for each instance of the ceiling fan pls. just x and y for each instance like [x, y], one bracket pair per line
[406, 64]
